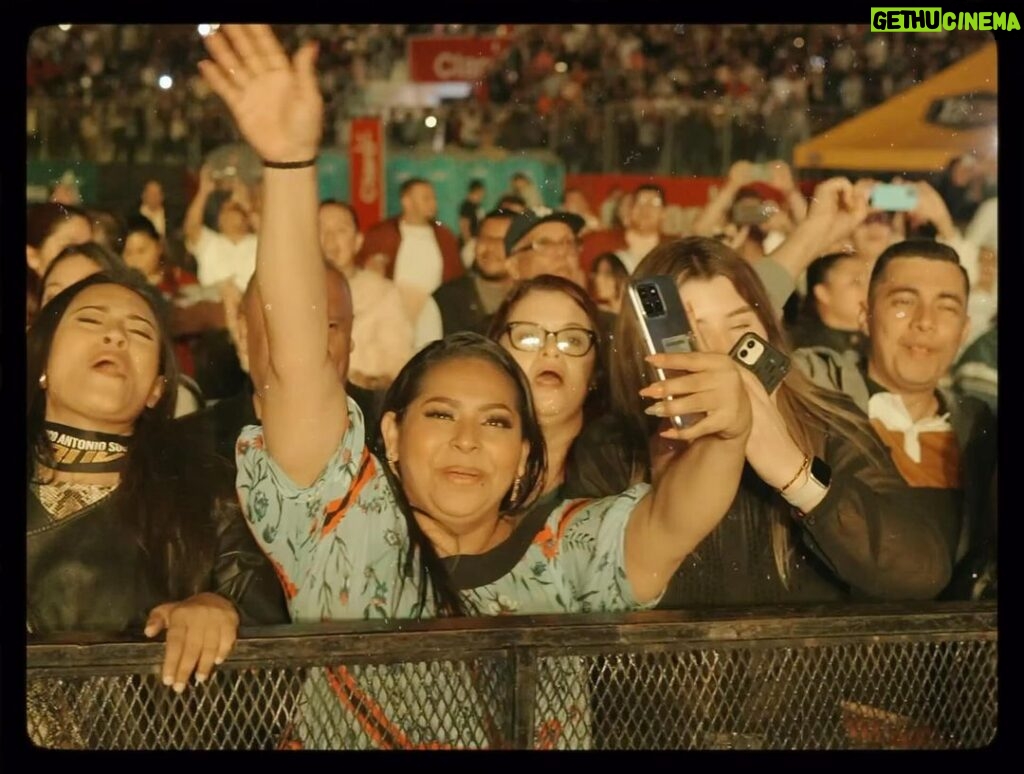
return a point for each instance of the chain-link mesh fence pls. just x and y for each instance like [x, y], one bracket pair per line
[925, 680]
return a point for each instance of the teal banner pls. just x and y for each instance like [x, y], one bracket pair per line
[450, 176]
[42, 176]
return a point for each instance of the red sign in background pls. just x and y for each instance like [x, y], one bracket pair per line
[435, 59]
[683, 191]
[366, 170]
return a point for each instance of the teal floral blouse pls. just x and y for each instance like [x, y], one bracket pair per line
[339, 546]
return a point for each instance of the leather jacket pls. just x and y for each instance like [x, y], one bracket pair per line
[88, 572]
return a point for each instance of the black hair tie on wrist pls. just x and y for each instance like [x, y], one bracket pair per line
[289, 164]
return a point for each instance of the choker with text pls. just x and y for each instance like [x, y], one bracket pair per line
[86, 451]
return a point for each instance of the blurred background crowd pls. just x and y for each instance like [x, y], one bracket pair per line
[680, 98]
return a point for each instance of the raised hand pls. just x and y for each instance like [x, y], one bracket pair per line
[931, 208]
[831, 197]
[740, 173]
[206, 182]
[276, 102]
[781, 176]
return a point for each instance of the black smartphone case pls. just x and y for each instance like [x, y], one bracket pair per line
[770, 365]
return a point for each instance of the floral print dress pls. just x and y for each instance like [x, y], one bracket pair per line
[339, 546]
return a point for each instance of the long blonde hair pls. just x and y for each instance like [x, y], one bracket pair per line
[810, 412]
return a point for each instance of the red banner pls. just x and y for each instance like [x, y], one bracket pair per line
[683, 191]
[366, 169]
[452, 58]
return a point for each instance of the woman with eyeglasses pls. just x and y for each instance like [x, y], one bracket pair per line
[430, 514]
[551, 328]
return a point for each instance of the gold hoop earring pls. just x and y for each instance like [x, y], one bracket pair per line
[43, 382]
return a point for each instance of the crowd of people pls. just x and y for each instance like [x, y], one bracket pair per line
[661, 95]
[438, 424]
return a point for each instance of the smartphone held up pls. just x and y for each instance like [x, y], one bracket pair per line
[752, 212]
[767, 363]
[893, 197]
[664, 325]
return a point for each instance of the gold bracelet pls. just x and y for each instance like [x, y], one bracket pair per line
[803, 467]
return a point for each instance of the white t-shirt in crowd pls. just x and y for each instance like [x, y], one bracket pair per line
[157, 217]
[639, 246]
[218, 258]
[419, 261]
[429, 325]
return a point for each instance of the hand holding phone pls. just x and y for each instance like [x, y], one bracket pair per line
[767, 363]
[894, 197]
[752, 213]
[664, 325]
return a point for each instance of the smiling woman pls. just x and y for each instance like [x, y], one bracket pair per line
[450, 521]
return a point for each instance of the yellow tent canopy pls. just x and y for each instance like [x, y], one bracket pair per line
[918, 130]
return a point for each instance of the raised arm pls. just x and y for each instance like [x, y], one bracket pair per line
[695, 491]
[782, 178]
[277, 106]
[713, 217]
[837, 207]
[194, 213]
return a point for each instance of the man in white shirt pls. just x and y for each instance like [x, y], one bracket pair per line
[227, 253]
[413, 249]
[152, 206]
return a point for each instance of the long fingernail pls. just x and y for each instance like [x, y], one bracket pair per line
[218, 660]
[168, 680]
[200, 678]
[179, 687]
[657, 410]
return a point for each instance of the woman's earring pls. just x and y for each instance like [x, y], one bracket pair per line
[391, 459]
[514, 497]
[42, 382]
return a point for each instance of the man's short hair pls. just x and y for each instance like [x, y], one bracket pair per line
[412, 181]
[650, 187]
[915, 248]
[476, 184]
[345, 206]
[498, 213]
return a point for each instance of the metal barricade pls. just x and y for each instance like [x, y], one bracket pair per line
[872, 677]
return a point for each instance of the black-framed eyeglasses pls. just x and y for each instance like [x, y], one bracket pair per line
[530, 337]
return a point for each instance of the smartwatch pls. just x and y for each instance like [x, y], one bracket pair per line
[812, 491]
